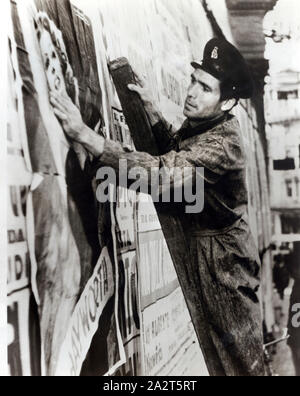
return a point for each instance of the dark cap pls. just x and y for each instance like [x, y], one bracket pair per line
[223, 61]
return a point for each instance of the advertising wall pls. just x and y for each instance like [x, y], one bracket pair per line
[92, 289]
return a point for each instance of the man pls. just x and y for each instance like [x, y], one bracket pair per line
[224, 261]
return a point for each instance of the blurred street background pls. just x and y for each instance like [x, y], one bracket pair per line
[282, 112]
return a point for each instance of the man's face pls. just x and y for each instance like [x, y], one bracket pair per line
[203, 98]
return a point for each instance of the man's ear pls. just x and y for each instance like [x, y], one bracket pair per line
[228, 104]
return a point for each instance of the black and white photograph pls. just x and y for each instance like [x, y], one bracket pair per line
[150, 191]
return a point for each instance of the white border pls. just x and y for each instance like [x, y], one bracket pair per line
[4, 15]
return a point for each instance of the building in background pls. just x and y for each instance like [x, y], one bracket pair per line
[282, 103]
[283, 117]
[246, 19]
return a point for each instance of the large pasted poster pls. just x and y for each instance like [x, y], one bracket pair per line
[74, 272]
[23, 326]
[169, 344]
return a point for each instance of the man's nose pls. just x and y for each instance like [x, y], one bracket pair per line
[192, 92]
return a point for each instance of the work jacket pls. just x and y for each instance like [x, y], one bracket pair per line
[218, 150]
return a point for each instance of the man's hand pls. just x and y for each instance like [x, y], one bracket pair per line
[69, 115]
[74, 126]
[144, 92]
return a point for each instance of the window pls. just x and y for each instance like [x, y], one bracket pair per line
[285, 95]
[284, 165]
[289, 188]
[290, 224]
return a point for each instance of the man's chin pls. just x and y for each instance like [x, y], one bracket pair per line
[188, 114]
[191, 115]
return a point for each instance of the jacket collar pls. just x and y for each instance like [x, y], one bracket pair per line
[187, 131]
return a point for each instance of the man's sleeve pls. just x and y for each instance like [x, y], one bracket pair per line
[217, 157]
[165, 136]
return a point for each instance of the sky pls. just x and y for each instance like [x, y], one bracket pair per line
[285, 19]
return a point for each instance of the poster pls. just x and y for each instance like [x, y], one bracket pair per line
[123, 221]
[169, 345]
[121, 129]
[85, 318]
[23, 337]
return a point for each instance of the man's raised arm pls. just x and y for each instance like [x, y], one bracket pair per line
[163, 131]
